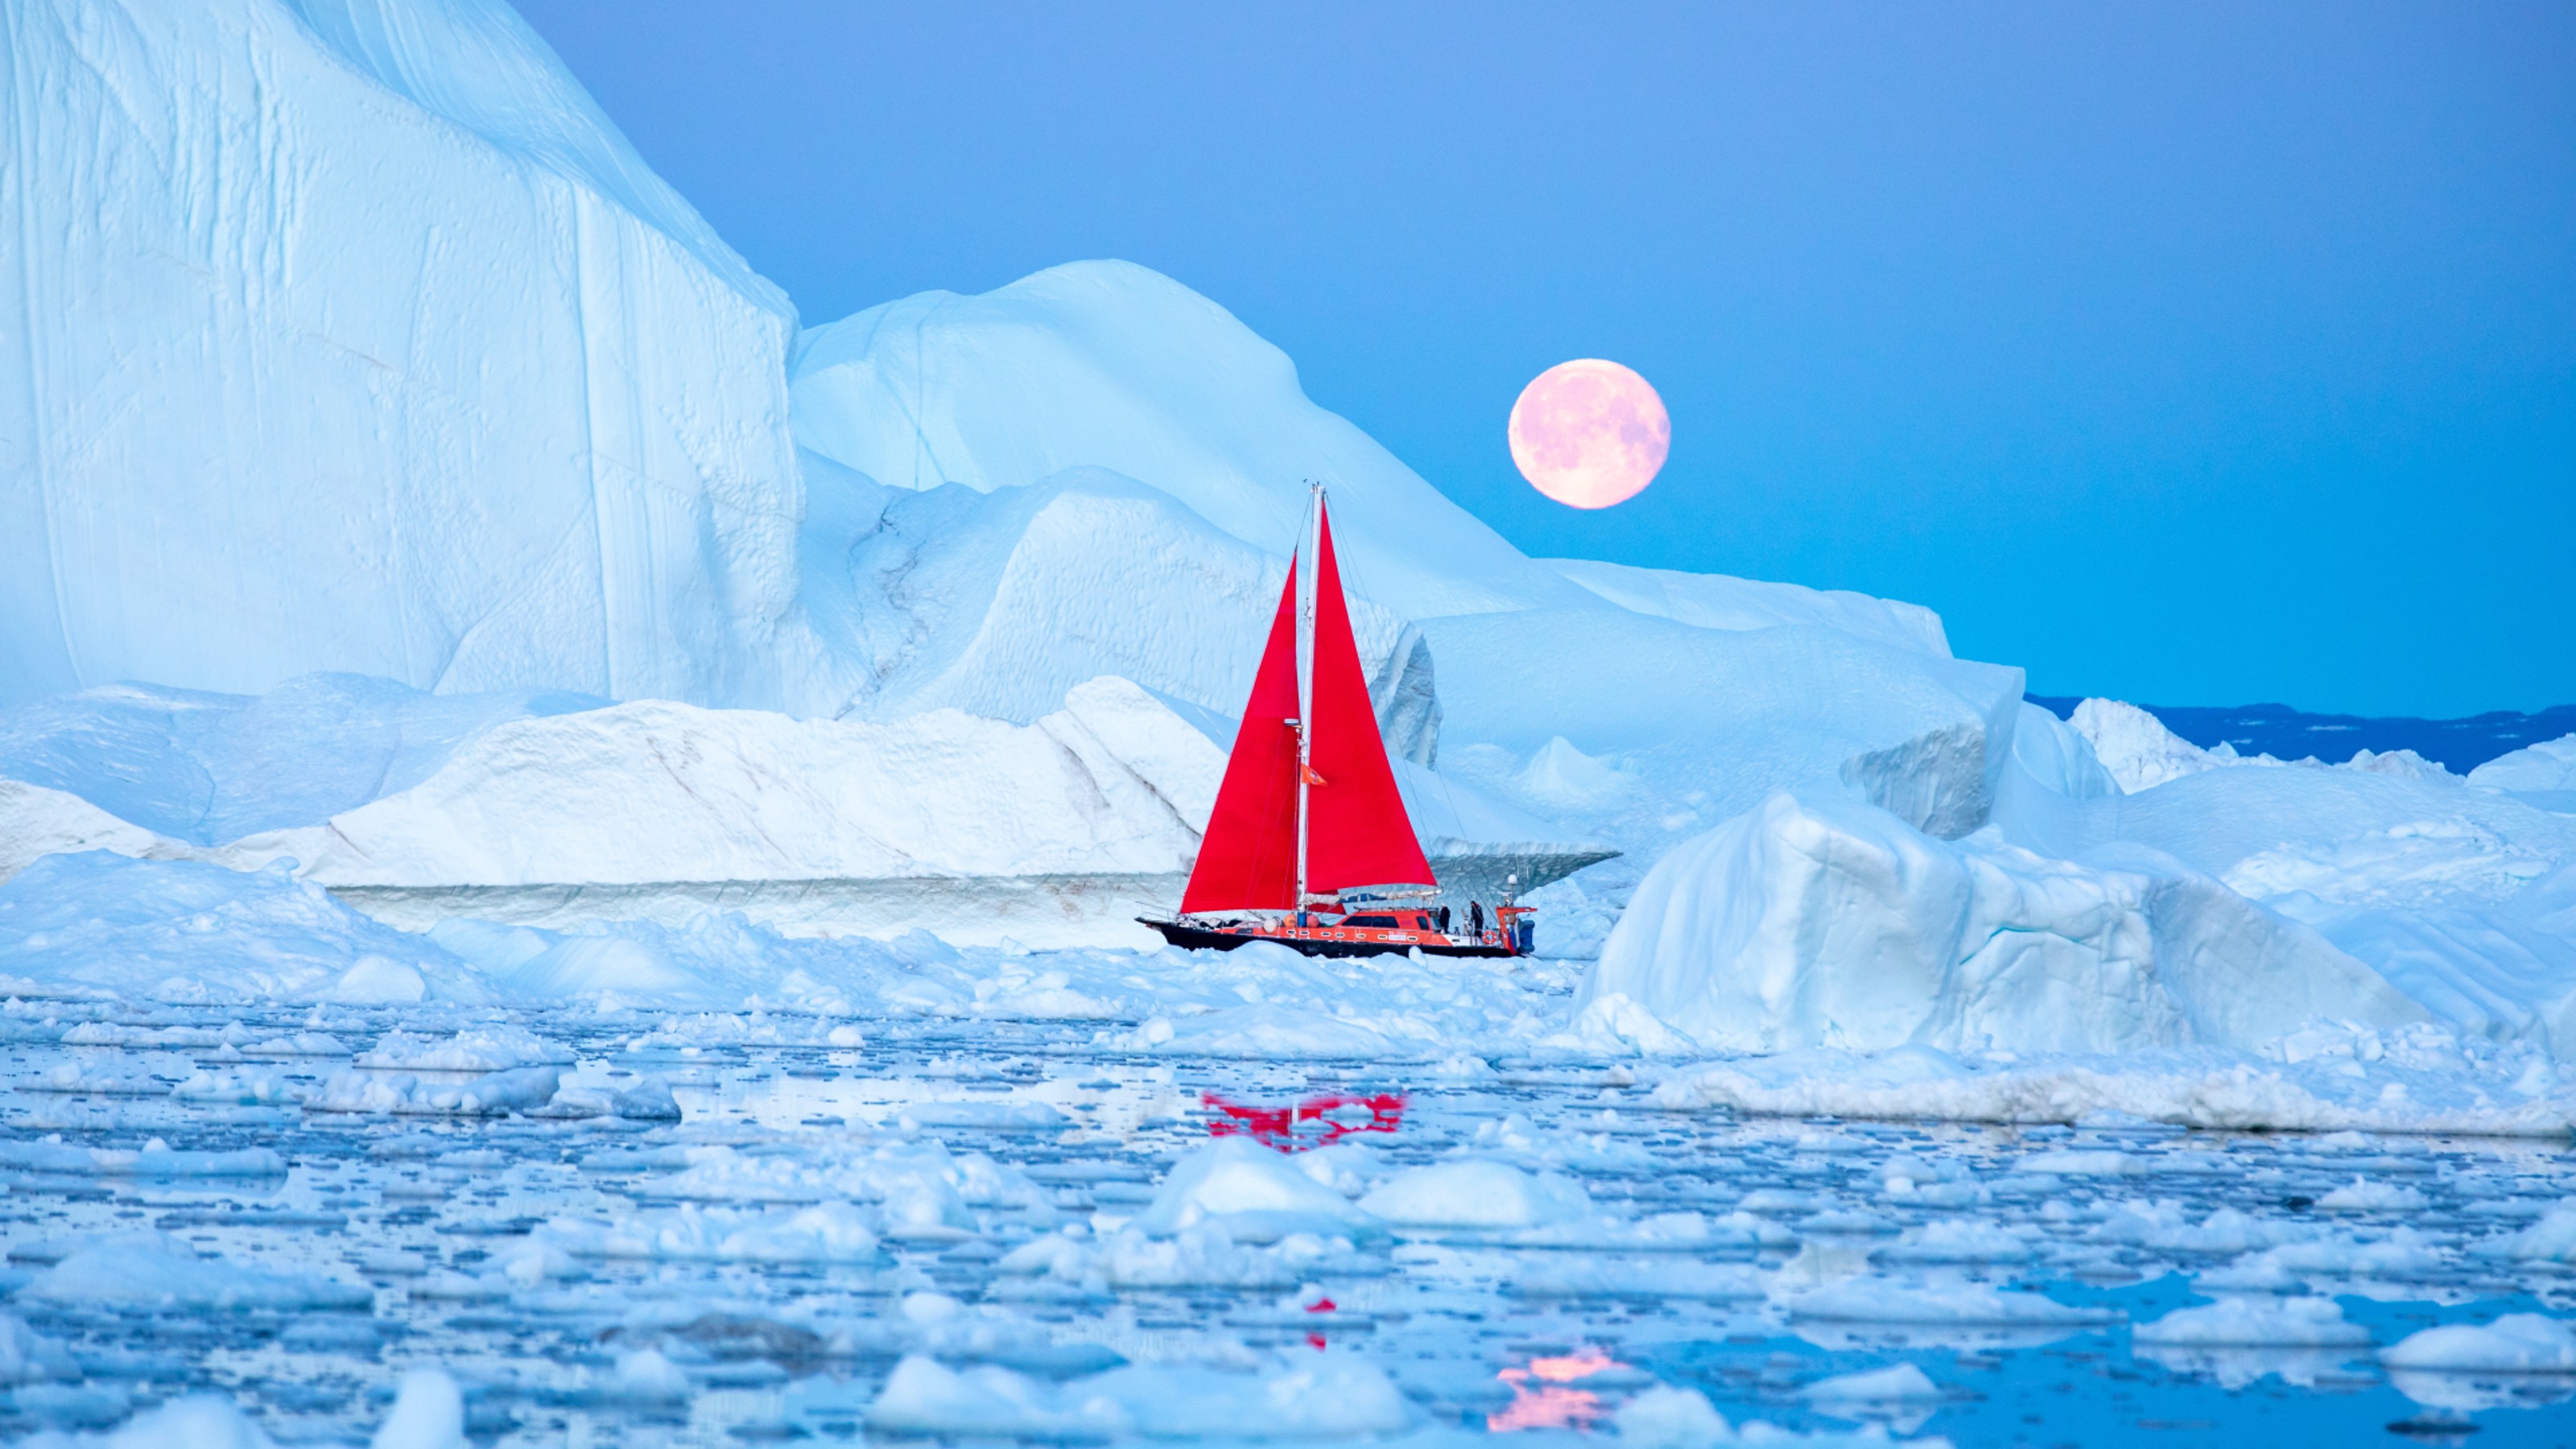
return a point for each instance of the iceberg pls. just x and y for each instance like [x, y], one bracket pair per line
[350, 335]
[1827, 923]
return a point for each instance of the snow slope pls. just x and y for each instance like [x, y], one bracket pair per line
[1109, 365]
[351, 336]
[654, 791]
[1716, 601]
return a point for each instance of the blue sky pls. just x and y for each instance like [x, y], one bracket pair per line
[2193, 354]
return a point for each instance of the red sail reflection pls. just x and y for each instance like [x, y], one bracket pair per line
[1315, 1122]
[1541, 1398]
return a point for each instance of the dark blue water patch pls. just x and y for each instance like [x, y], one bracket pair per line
[2089, 1389]
[2458, 745]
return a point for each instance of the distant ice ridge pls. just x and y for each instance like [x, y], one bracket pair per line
[556, 809]
[2141, 753]
[350, 335]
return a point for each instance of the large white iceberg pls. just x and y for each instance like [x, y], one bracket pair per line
[351, 336]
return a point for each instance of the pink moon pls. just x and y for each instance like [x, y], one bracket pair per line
[1590, 433]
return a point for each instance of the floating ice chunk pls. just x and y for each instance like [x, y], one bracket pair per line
[155, 1160]
[923, 1193]
[474, 1049]
[1876, 1391]
[27, 1356]
[1258, 1194]
[239, 1087]
[2526, 1343]
[1348, 1167]
[122, 1034]
[428, 1413]
[2190, 1089]
[645, 1375]
[649, 1100]
[2257, 1322]
[520, 1089]
[2404, 1255]
[829, 1232]
[984, 1116]
[147, 1271]
[1665, 1417]
[2551, 1239]
[199, 1421]
[1333, 1394]
[1879, 1300]
[2098, 1162]
[1592, 1275]
[1958, 1240]
[1475, 1193]
[924, 1396]
[2361, 1195]
[1201, 1255]
[2163, 1224]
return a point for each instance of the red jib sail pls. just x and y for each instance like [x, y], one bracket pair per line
[1357, 833]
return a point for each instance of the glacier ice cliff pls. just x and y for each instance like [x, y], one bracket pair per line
[351, 336]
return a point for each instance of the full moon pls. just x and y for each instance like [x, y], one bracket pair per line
[1589, 433]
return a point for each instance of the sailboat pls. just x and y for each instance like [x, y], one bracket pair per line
[1309, 844]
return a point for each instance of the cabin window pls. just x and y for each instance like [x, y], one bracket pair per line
[1388, 921]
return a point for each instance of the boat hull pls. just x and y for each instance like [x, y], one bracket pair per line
[1202, 938]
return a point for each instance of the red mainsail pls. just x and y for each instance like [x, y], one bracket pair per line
[1357, 833]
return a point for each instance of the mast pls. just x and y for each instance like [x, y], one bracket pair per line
[1306, 680]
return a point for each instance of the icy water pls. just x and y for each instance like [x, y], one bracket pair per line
[758, 1270]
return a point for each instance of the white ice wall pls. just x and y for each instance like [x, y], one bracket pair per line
[300, 373]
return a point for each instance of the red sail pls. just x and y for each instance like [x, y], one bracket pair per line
[1357, 833]
[1248, 858]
